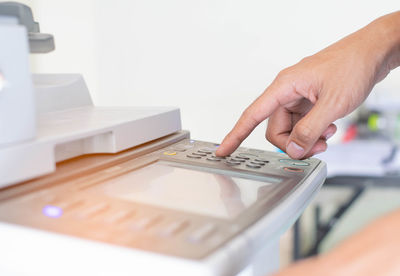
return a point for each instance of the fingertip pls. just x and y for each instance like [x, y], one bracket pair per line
[220, 151]
[224, 149]
[294, 150]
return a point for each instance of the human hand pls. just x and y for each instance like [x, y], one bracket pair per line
[371, 251]
[305, 99]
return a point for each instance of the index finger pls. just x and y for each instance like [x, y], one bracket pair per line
[257, 112]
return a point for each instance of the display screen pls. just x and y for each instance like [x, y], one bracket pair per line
[200, 192]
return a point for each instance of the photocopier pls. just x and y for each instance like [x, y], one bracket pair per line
[90, 190]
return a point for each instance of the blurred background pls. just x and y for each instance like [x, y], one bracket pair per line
[212, 58]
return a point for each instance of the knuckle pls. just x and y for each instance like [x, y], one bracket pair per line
[270, 137]
[338, 105]
[249, 117]
[341, 106]
[246, 113]
[283, 75]
[304, 133]
[273, 138]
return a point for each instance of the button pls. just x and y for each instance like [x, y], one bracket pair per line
[118, 217]
[173, 228]
[206, 150]
[242, 157]
[202, 233]
[232, 163]
[218, 157]
[182, 147]
[199, 154]
[253, 166]
[213, 159]
[68, 205]
[193, 156]
[294, 162]
[249, 155]
[237, 160]
[291, 169]
[260, 159]
[145, 223]
[170, 153]
[93, 211]
[257, 163]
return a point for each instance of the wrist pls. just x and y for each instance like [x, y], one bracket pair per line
[385, 33]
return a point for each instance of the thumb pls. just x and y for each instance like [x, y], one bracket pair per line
[308, 130]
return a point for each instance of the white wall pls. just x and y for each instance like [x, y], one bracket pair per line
[211, 57]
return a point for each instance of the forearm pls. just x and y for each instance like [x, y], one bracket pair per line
[338, 78]
[384, 37]
[372, 251]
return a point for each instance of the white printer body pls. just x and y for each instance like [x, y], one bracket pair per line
[88, 190]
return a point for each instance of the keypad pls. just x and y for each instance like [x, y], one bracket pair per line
[241, 159]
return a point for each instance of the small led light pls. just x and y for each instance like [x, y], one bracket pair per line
[2, 81]
[52, 211]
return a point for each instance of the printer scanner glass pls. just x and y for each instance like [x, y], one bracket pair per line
[204, 193]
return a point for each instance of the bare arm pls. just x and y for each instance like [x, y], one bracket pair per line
[305, 99]
[373, 251]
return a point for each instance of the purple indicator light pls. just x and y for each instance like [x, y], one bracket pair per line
[52, 211]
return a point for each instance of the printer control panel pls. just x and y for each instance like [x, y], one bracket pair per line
[179, 199]
[243, 159]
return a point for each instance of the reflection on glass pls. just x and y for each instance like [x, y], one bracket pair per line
[192, 191]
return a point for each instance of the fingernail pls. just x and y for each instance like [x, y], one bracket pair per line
[329, 135]
[218, 152]
[294, 150]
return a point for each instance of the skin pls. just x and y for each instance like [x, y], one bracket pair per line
[302, 103]
[305, 99]
[372, 251]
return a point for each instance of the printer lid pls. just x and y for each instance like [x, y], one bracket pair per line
[77, 127]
